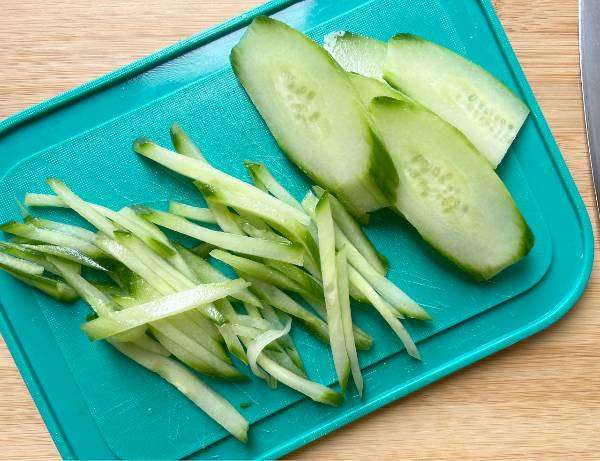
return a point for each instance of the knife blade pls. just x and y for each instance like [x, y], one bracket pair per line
[589, 49]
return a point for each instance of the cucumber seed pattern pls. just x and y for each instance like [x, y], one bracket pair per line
[439, 184]
[299, 99]
[481, 112]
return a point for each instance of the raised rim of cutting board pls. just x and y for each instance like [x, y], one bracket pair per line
[155, 59]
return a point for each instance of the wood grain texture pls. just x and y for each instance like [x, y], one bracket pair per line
[537, 400]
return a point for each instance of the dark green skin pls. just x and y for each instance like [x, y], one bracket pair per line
[381, 177]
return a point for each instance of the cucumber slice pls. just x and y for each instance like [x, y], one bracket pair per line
[459, 91]
[205, 398]
[325, 231]
[248, 245]
[356, 53]
[369, 88]
[314, 114]
[449, 192]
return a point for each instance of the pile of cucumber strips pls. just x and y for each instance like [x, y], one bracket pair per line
[405, 124]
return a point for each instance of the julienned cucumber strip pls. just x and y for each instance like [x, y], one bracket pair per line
[81, 207]
[134, 264]
[308, 283]
[261, 176]
[249, 228]
[346, 315]
[257, 269]
[21, 265]
[258, 344]
[354, 233]
[209, 274]
[356, 53]
[159, 245]
[386, 311]
[449, 192]
[200, 171]
[459, 91]
[315, 391]
[183, 144]
[102, 305]
[275, 297]
[76, 231]
[172, 276]
[314, 113]
[55, 288]
[70, 254]
[16, 250]
[290, 228]
[148, 344]
[394, 295]
[167, 306]
[205, 398]
[192, 212]
[326, 235]
[233, 242]
[184, 348]
[44, 200]
[52, 237]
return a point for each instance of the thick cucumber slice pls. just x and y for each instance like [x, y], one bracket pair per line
[21, 265]
[449, 192]
[314, 114]
[459, 91]
[356, 53]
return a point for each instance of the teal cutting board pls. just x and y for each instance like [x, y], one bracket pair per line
[97, 405]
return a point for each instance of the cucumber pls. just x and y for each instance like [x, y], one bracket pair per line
[356, 53]
[459, 91]
[449, 192]
[369, 88]
[314, 114]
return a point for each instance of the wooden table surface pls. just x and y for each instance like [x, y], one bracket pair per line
[538, 400]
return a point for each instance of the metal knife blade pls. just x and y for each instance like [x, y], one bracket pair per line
[589, 49]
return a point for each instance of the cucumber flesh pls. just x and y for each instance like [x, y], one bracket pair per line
[449, 192]
[356, 53]
[369, 88]
[459, 91]
[314, 114]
